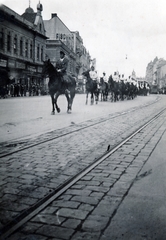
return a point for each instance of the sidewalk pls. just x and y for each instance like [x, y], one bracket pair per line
[142, 214]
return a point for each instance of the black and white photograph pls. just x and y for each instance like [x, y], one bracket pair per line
[82, 120]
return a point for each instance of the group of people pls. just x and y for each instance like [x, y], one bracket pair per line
[21, 90]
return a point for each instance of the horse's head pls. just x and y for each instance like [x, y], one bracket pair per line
[86, 74]
[48, 68]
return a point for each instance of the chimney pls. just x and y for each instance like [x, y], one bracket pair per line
[53, 15]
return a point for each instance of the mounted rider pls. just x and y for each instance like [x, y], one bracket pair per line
[61, 66]
[105, 77]
[93, 75]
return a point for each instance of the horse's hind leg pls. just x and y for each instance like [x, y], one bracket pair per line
[92, 98]
[86, 99]
[69, 102]
[55, 102]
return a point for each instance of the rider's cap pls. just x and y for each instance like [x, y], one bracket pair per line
[61, 52]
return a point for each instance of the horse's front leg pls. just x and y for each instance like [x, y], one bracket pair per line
[92, 98]
[53, 107]
[86, 98]
[55, 102]
[96, 97]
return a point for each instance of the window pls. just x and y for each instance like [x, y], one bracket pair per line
[21, 47]
[1, 39]
[57, 36]
[26, 49]
[8, 42]
[38, 48]
[42, 54]
[31, 50]
[15, 44]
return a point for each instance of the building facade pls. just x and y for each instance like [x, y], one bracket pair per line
[22, 45]
[156, 73]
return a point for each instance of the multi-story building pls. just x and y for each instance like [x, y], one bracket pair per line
[61, 38]
[156, 73]
[22, 44]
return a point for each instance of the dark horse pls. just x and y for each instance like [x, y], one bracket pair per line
[57, 87]
[103, 89]
[91, 87]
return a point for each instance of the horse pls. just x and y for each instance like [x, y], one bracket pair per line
[103, 89]
[114, 89]
[57, 87]
[91, 87]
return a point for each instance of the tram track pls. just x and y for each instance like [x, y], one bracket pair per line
[40, 205]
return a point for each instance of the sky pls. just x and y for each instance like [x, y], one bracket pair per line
[123, 35]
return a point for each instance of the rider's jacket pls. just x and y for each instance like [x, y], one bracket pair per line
[62, 64]
[105, 79]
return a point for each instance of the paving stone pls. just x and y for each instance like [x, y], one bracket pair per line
[86, 236]
[69, 204]
[71, 223]
[55, 231]
[95, 223]
[86, 207]
[82, 192]
[51, 219]
[73, 213]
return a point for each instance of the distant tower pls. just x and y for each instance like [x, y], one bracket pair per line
[133, 74]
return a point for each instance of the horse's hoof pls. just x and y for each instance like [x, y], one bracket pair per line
[52, 113]
[58, 110]
[69, 111]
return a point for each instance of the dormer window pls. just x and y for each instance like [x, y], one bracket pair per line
[40, 27]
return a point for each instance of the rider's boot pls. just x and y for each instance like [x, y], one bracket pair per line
[67, 91]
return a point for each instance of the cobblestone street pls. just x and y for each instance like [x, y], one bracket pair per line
[86, 210]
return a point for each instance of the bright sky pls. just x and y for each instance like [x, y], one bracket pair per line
[111, 29]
